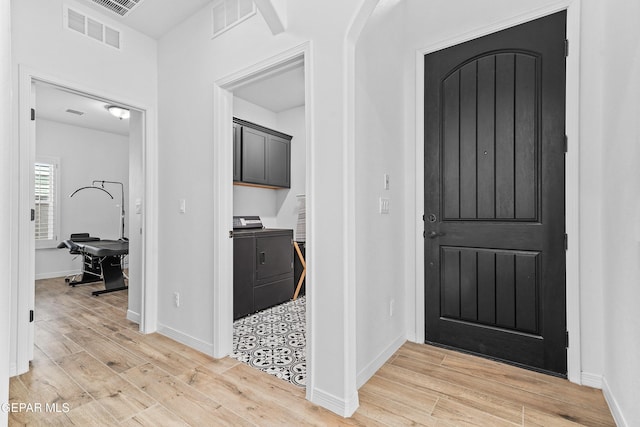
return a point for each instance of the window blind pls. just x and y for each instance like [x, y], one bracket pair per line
[45, 201]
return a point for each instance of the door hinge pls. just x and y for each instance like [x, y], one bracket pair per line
[566, 143]
[566, 48]
[566, 242]
[231, 234]
[33, 214]
[31, 316]
[567, 339]
[33, 114]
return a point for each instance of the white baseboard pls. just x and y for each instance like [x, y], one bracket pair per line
[613, 405]
[188, 340]
[591, 380]
[368, 371]
[133, 317]
[342, 407]
[55, 274]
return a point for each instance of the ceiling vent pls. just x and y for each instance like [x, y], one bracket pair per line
[229, 13]
[119, 7]
[76, 112]
[92, 28]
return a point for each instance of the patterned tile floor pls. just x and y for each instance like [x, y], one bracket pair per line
[273, 341]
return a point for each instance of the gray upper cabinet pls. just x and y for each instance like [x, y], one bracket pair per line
[262, 156]
[278, 159]
[254, 156]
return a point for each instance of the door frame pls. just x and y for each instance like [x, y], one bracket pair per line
[25, 146]
[223, 187]
[417, 332]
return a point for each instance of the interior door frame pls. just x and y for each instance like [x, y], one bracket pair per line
[24, 299]
[416, 332]
[223, 187]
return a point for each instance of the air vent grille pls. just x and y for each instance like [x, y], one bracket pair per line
[95, 29]
[76, 112]
[229, 13]
[91, 28]
[75, 20]
[112, 37]
[119, 7]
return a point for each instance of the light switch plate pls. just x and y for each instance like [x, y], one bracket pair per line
[385, 184]
[183, 205]
[384, 206]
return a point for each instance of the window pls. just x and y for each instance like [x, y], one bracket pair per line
[47, 223]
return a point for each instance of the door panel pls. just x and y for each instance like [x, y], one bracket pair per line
[494, 181]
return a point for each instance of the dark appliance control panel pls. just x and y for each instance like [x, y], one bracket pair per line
[245, 222]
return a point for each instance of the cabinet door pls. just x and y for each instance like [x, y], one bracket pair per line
[244, 262]
[237, 152]
[278, 163]
[274, 256]
[254, 156]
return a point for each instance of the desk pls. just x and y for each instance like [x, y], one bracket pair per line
[102, 260]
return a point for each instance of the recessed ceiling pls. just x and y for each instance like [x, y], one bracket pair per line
[154, 17]
[277, 92]
[53, 103]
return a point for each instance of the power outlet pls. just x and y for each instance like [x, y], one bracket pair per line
[392, 304]
[176, 299]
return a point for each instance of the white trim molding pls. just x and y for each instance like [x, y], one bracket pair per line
[572, 183]
[343, 407]
[185, 339]
[614, 407]
[369, 371]
[591, 380]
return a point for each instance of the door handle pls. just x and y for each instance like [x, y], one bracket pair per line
[434, 234]
[263, 258]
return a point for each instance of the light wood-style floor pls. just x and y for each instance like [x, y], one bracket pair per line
[90, 357]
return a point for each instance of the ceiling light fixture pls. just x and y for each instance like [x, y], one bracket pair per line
[119, 112]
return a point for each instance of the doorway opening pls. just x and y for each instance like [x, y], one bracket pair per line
[68, 135]
[271, 97]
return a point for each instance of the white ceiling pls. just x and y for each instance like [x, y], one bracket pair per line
[52, 103]
[278, 92]
[154, 17]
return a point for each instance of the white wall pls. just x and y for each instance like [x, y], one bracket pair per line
[621, 208]
[380, 144]
[5, 194]
[85, 155]
[189, 63]
[42, 44]
[292, 123]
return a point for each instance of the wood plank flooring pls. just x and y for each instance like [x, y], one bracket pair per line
[91, 358]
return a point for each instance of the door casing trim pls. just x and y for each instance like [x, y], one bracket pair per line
[416, 332]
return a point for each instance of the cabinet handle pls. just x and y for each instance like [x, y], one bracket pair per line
[262, 258]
